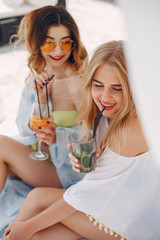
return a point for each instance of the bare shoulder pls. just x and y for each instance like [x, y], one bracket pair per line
[135, 142]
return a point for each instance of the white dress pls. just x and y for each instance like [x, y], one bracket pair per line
[122, 194]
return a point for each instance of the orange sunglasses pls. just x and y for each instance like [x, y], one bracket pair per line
[49, 45]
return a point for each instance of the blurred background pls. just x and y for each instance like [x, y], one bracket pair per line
[98, 21]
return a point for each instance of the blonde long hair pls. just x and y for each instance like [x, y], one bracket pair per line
[33, 29]
[111, 53]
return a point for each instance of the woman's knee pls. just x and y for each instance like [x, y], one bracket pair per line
[3, 138]
[36, 198]
[4, 146]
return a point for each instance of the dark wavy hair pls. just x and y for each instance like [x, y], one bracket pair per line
[33, 29]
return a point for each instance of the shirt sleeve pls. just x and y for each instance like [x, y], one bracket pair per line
[24, 111]
[59, 152]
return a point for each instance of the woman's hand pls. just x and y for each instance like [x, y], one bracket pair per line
[48, 134]
[75, 162]
[18, 230]
[41, 80]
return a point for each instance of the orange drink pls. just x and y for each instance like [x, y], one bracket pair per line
[36, 122]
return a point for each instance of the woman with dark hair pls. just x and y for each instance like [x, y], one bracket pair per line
[52, 39]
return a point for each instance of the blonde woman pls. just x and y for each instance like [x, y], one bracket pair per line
[120, 198]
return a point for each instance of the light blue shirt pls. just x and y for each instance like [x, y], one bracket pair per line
[58, 152]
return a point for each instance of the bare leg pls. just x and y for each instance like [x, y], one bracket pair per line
[38, 200]
[14, 157]
[58, 231]
[79, 223]
[73, 227]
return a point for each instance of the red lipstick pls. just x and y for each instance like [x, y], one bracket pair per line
[108, 106]
[56, 58]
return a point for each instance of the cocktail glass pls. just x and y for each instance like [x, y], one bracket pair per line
[39, 120]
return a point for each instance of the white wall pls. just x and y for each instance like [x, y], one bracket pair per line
[142, 18]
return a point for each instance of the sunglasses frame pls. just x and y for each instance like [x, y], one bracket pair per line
[59, 43]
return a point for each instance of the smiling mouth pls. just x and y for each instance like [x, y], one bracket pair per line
[56, 58]
[108, 106]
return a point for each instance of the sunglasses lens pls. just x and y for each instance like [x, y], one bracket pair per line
[67, 45]
[48, 46]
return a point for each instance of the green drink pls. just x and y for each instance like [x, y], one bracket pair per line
[87, 160]
[84, 149]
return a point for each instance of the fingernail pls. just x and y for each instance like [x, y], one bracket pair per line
[35, 134]
[39, 127]
[41, 87]
[76, 160]
[97, 154]
[77, 165]
[46, 80]
[49, 79]
[48, 122]
[77, 170]
[43, 84]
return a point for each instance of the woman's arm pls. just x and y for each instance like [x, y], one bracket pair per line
[50, 216]
[24, 111]
[28, 97]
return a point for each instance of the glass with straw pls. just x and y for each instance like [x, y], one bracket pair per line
[83, 144]
[41, 114]
[84, 149]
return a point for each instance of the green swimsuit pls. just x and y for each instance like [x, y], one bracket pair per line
[65, 118]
